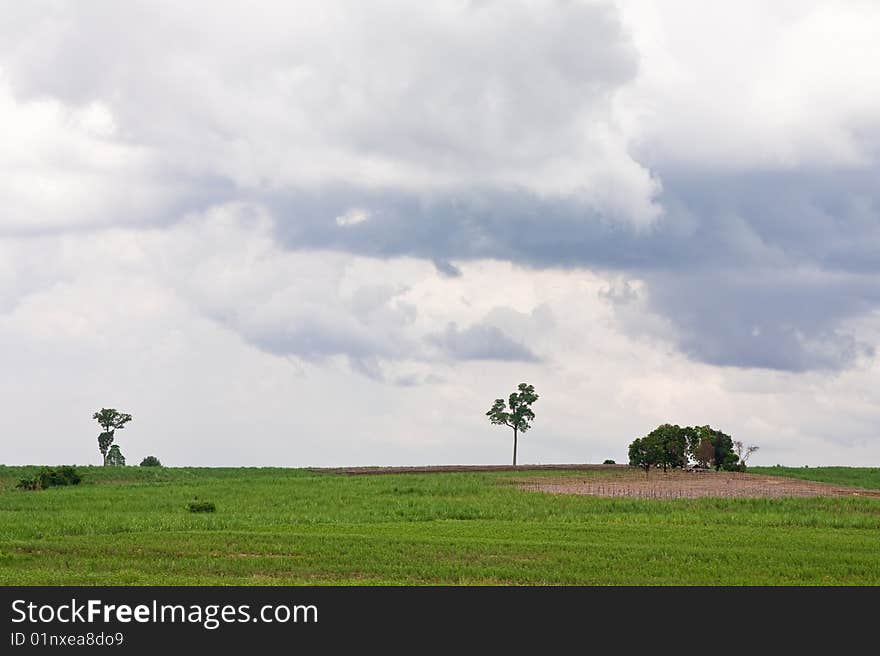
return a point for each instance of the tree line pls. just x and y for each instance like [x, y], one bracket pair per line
[668, 446]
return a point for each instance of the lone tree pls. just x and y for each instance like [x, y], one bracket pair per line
[111, 420]
[518, 413]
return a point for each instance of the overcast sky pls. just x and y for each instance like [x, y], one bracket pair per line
[331, 233]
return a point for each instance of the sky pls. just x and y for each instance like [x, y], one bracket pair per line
[333, 232]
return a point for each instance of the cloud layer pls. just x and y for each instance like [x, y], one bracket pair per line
[386, 198]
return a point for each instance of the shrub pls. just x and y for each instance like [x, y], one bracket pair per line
[50, 477]
[151, 461]
[53, 476]
[609, 462]
[201, 506]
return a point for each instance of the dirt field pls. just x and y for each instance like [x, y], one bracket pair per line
[627, 482]
[624, 481]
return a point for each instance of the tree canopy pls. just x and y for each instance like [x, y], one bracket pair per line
[110, 419]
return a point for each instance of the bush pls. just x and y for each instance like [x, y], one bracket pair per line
[151, 461]
[609, 462]
[66, 475]
[50, 477]
[201, 506]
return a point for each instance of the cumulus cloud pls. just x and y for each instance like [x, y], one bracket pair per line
[310, 305]
[734, 245]
[61, 166]
[540, 133]
[755, 85]
[385, 96]
[793, 320]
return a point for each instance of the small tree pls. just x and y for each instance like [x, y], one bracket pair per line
[110, 420]
[520, 412]
[645, 452]
[743, 452]
[115, 457]
[151, 461]
[724, 457]
[705, 454]
[667, 445]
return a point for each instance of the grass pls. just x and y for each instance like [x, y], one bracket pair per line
[865, 477]
[281, 526]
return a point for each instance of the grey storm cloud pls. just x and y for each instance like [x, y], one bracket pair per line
[480, 342]
[751, 269]
[384, 96]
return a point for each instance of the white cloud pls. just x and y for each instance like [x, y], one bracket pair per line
[61, 167]
[753, 84]
[352, 217]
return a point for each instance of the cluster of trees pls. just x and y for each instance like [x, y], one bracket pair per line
[112, 420]
[669, 446]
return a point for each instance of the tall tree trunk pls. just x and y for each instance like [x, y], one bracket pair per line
[514, 447]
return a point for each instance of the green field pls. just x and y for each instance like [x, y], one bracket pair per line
[282, 526]
[867, 477]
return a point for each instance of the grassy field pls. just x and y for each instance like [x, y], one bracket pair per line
[866, 477]
[282, 526]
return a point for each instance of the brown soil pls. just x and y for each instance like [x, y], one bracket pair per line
[624, 481]
[677, 485]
